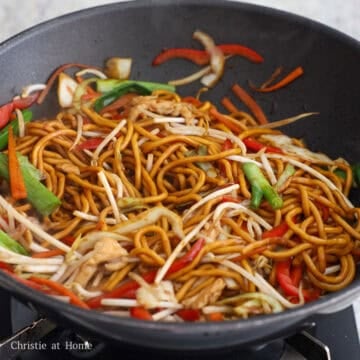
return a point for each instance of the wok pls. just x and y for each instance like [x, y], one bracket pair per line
[139, 30]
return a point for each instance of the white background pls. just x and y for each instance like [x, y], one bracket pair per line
[17, 15]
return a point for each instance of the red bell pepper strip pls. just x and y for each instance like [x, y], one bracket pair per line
[26, 102]
[296, 275]
[229, 198]
[88, 97]
[356, 252]
[191, 100]
[249, 254]
[276, 231]
[5, 114]
[241, 50]
[199, 57]
[90, 144]
[128, 289]
[189, 314]
[68, 240]
[254, 145]
[119, 103]
[187, 258]
[282, 272]
[227, 145]
[5, 266]
[202, 57]
[325, 213]
[140, 313]
[21, 104]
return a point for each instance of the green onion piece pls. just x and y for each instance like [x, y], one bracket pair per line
[259, 184]
[114, 89]
[4, 133]
[40, 197]
[9, 243]
[25, 163]
[106, 85]
[256, 195]
[285, 176]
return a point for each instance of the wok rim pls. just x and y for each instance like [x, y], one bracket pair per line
[295, 315]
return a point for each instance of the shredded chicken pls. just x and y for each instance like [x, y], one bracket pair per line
[106, 250]
[150, 296]
[68, 168]
[206, 296]
[262, 265]
[286, 143]
[161, 107]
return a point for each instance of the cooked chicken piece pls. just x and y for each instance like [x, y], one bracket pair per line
[206, 296]
[161, 107]
[106, 250]
[149, 296]
[115, 265]
[68, 167]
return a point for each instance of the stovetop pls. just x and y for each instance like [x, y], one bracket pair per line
[336, 331]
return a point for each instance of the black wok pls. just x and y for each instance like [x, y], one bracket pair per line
[140, 29]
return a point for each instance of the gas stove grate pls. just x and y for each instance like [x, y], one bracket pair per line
[44, 340]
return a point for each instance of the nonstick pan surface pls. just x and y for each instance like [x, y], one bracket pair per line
[140, 29]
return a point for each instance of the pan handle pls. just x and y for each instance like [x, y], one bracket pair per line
[309, 346]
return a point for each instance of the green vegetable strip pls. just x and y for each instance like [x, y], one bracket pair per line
[260, 186]
[286, 174]
[4, 133]
[114, 89]
[340, 173]
[40, 197]
[203, 165]
[356, 174]
[25, 163]
[256, 196]
[9, 243]
[107, 85]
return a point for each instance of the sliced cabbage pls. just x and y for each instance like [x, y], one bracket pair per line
[286, 144]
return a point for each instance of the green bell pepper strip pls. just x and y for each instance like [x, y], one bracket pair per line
[113, 89]
[356, 174]
[260, 187]
[340, 173]
[203, 165]
[9, 243]
[40, 197]
[4, 133]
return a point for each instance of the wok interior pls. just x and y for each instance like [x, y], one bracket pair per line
[330, 63]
